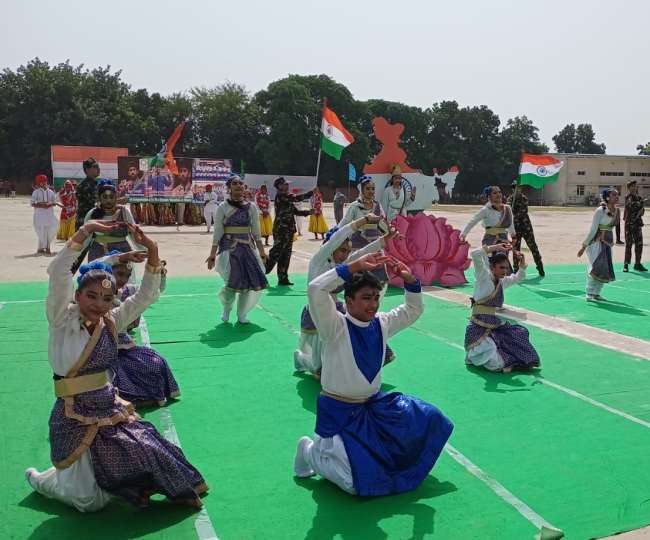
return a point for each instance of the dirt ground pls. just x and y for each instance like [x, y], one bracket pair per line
[559, 232]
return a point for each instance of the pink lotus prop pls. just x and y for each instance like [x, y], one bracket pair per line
[431, 248]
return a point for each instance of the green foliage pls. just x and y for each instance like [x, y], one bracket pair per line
[275, 131]
[644, 149]
[580, 140]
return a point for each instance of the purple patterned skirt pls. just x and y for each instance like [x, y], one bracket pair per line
[512, 342]
[97, 249]
[245, 271]
[602, 269]
[130, 458]
[141, 374]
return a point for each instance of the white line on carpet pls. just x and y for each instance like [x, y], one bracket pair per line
[519, 505]
[568, 391]
[202, 524]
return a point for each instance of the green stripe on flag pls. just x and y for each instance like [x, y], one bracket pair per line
[537, 181]
[331, 149]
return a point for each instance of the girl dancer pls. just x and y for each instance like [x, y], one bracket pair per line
[141, 374]
[490, 341]
[99, 446]
[68, 219]
[496, 217]
[394, 200]
[108, 209]
[264, 204]
[598, 245]
[317, 223]
[236, 232]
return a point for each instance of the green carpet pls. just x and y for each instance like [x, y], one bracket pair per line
[583, 469]
[562, 293]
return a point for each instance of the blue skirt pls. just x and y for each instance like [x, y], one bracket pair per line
[141, 374]
[392, 440]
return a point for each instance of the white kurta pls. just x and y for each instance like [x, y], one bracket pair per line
[485, 354]
[340, 375]
[355, 211]
[211, 201]
[76, 485]
[601, 217]
[490, 217]
[308, 355]
[393, 202]
[247, 299]
[45, 222]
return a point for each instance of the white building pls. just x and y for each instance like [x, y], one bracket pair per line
[586, 175]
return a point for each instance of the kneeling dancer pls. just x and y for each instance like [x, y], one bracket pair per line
[490, 341]
[367, 442]
[142, 375]
[99, 445]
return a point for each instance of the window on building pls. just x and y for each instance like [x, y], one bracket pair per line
[645, 174]
[580, 189]
[581, 173]
[612, 173]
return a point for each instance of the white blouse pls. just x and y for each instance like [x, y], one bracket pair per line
[322, 261]
[600, 218]
[355, 211]
[490, 218]
[67, 334]
[484, 285]
[224, 211]
[340, 374]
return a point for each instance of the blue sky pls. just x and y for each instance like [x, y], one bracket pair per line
[556, 62]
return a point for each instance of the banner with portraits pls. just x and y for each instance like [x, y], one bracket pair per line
[142, 183]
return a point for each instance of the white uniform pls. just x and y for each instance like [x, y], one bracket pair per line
[485, 354]
[76, 485]
[45, 222]
[393, 202]
[211, 201]
[340, 375]
[308, 355]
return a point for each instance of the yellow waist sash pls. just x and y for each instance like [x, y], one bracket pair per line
[71, 386]
[343, 399]
[236, 230]
[479, 309]
[605, 227]
[110, 239]
[369, 226]
[495, 230]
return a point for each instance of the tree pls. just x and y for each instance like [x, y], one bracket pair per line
[565, 140]
[580, 140]
[228, 124]
[519, 135]
[644, 149]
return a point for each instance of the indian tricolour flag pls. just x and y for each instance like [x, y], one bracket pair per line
[67, 161]
[334, 137]
[537, 171]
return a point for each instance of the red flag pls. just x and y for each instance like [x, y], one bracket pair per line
[171, 142]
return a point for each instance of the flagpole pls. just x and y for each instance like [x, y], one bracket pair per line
[320, 134]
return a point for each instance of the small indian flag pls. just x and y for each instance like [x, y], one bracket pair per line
[537, 171]
[334, 137]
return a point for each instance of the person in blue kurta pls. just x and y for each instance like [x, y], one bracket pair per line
[367, 442]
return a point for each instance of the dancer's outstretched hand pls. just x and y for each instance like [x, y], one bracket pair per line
[519, 256]
[581, 251]
[368, 262]
[140, 238]
[392, 233]
[211, 261]
[503, 246]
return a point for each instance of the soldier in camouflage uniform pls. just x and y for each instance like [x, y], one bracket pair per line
[523, 227]
[633, 227]
[87, 190]
[284, 228]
